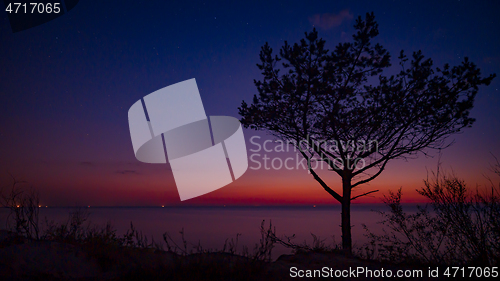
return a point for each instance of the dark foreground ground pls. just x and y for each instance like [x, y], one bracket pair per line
[21, 259]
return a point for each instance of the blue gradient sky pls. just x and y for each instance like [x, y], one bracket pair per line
[66, 87]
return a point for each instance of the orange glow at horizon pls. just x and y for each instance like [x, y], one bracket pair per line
[138, 184]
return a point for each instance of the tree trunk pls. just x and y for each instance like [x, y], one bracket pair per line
[346, 215]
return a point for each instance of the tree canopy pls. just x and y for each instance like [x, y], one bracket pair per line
[324, 96]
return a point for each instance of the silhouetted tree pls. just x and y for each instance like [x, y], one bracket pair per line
[337, 107]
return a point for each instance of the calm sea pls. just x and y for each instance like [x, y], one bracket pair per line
[211, 226]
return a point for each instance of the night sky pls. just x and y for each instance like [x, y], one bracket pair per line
[66, 87]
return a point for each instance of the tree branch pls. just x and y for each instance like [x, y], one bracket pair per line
[364, 194]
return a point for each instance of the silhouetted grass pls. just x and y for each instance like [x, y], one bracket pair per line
[458, 227]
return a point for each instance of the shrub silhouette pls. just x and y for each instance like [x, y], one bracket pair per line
[459, 226]
[23, 204]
